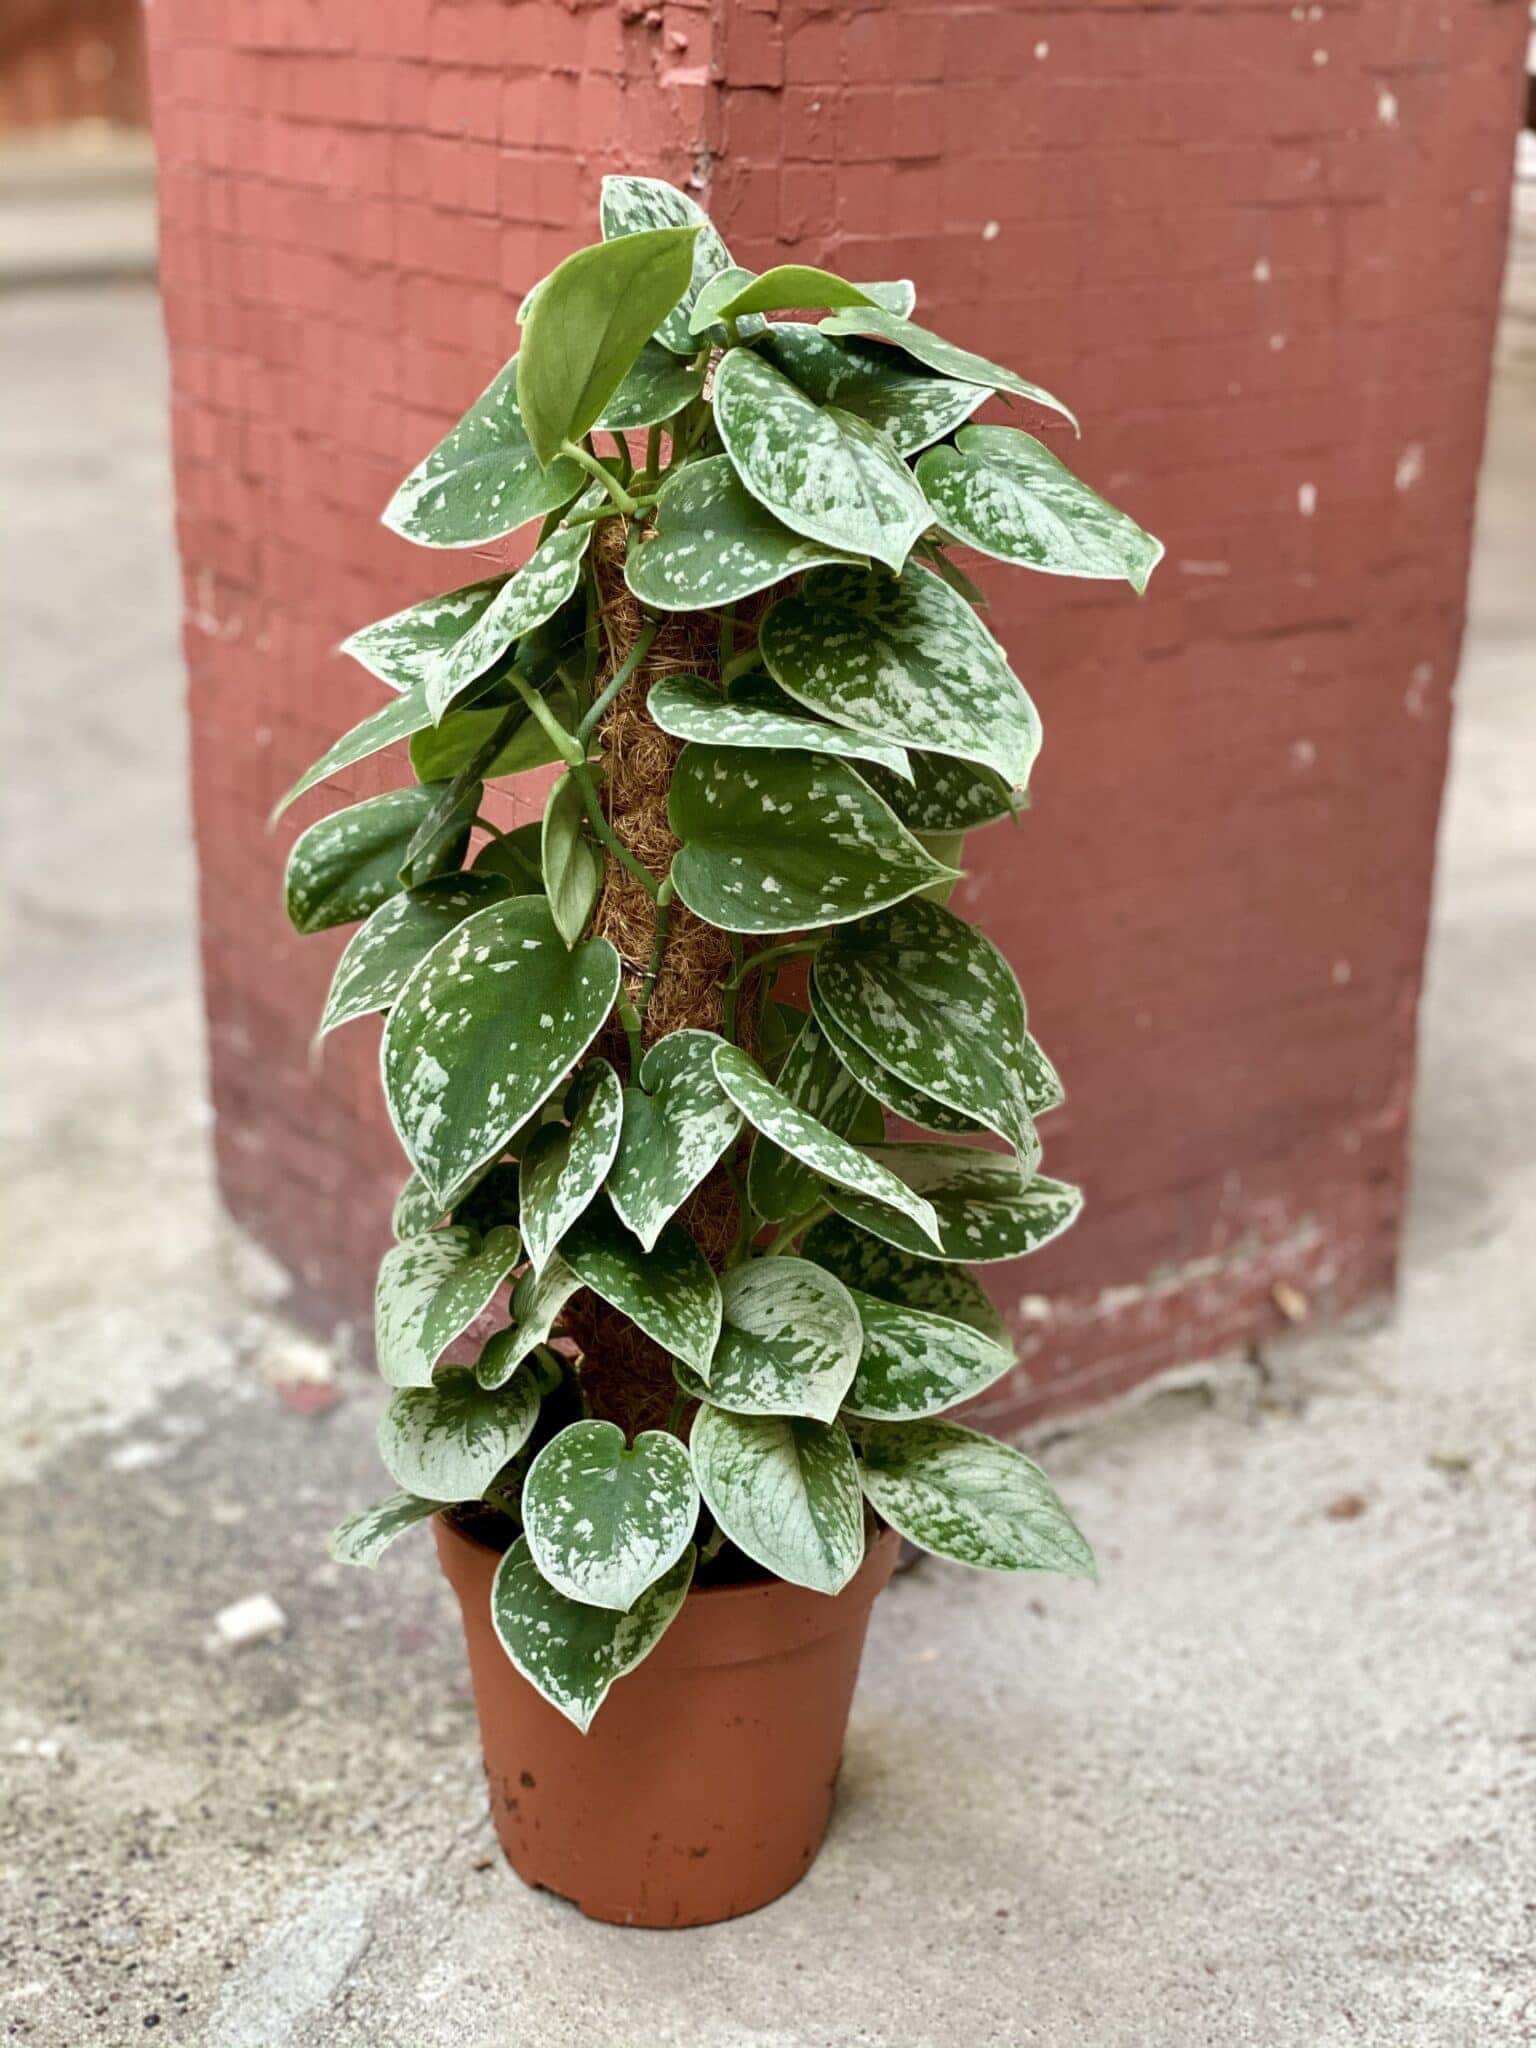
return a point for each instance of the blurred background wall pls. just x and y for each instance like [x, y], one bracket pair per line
[1257, 247]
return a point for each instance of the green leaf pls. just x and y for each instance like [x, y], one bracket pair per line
[483, 480]
[868, 1266]
[756, 713]
[785, 1490]
[416, 1210]
[788, 1345]
[448, 1441]
[569, 1653]
[705, 322]
[985, 1210]
[825, 472]
[935, 353]
[910, 407]
[537, 1300]
[657, 387]
[525, 599]
[483, 1031]
[397, 720]
[943, 795]
[794, 285]
[932, 1000]
[380, 958]
[769, 1110]
[774, 843]
[815, 1080]
[584, 331]
[573, 867]
[444, 749]
[669, 1291]
[885, 1086]
[712, 542]
[564, 1165]
[908, 660]
[1005, 493]
[962, 1495]
[364, 1537]
[898, 295]
[677, 1123]
[404, 649]
[439, 842]
[914, 1364]
[634, 205]
[346, 865]
[605, 1521]
[515, 855]
[430, 1289]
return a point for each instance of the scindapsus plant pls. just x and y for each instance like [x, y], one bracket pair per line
[738, 1308]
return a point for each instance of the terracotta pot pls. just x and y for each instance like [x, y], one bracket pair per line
[705, 1785]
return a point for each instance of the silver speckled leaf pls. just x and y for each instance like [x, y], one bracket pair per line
[907, 659]
[756, 713]
[785, 1489]
[910, 407]
[364, 1537]
[712, 542]
[429, 1291]
[631, 206]
[963, 1495]
[603, 1520]
[985, 1211]
[448, 1441]
[789, 1343]
[536, 1301]
[943, 795]
[344, 866]
[935, 353]
[827, 473]
[404, 649]
[526, 598]
[657, 385]
[397, 720]
[868, 1265]
[1004, 492]
[886, 1087]
[677, 1123]
[564, 1165]
[669, 1291]
[914, 1364]
[816, 1080]
[381, 957]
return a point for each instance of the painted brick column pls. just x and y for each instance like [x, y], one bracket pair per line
[1258, 248]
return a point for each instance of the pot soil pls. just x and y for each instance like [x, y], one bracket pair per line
[704, 1787]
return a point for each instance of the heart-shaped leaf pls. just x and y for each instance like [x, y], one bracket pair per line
[381, 957]
[397, 720]
[669, 1291]
[935, 353]
[932, 1000]
[908, 660]
[944, 795]
[483, 480]
[815, 1080]
[429, 1291]
[869, 1266]
[785, 1489]
[364, 1537]
[788, 1345]
[525, 599]
[914, 1364]
[910, 407]
[677, 1123]
[589, 322]
[769, 1110]
[570, 1653]
[712, 542]
[564, 1165]
[604, 1521]
[1005, 493]
[656, 387]
[447, 1441]
[886, 1087]
[514, 855]
[962, 1495]
[634, 205]
[825, 472]
[404, 649]
[536, 1301]
[483, 1031]
[794, 285]
[573, 867]
[985, 1210]
[756, 713]
[773, 843]
[346, 865]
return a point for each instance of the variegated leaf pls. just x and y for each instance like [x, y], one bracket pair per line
[364, 1537]
[932, 1000]
[572, 865]
[712, 542]
[447, 1441]
[788, 1345]
[404, 649]
[430, 1289]
[769, 1110]
[381, 957]
[525, 599]
[935, 353]
[604, 1520]
[483, 1031]
[346, 865]
[678, 1122]
[537, 1300]
[815, 1080]
[826, 473]
[482, 480]
[416, 1210]
[1005, 493]
[440, 751]
[669, 1291]
[985, 1210]
[658, 386]
[963, 1495]
[908, 660]
[633, 205]
[945, 795]
[914, 1364]
[910, 407]
[886, 1087]
[570, 1653]
[756, 713]
[564, 1165]
[397, 720]
[785, 1490]
[776, 842]
[898, 295]
[869, 1266]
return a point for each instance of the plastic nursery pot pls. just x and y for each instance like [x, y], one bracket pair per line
[705, 1784]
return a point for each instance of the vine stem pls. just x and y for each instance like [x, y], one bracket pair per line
[796, 1227]
[565, 744]
[664, 897]
[767, 958]
[581, 775]
[629, 1017]
[602, 473]
[621, 676]
[730, 988]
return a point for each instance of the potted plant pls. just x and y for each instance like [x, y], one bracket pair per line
[672, 1319]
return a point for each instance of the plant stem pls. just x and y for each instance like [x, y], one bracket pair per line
[621, 676]
[659, 945]
[727, 635]
[602, 473]
[739, 665]
[730, 988]
[747, 1219]
[565, 744]
[629, 1018]
[767, 958]
[793, 1229]
[675, 1413]
[581, 775]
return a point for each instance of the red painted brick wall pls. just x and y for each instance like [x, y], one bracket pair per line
[1258, 247]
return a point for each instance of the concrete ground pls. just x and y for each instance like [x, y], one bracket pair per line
[1270, 1784]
